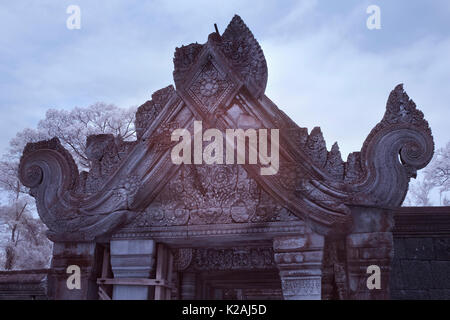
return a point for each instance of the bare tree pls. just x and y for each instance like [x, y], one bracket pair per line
[435, 176]
[72, 127]
[439, 171]
[419, 193]
[26, 245]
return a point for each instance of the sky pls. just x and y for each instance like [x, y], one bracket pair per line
[326, 68]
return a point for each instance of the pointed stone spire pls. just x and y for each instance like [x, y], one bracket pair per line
[335, 165]
[316, 147]
[401, 109]
[353, 167]
[147, 112]
[243, 50]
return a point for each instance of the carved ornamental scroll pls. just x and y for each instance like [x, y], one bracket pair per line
[222, 83]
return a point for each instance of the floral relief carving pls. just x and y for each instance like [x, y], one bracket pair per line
[209, 87]
[212, 194]
[237, 258]
[312, 182]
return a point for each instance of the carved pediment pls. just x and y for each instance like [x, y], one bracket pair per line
[221, 84]
[198, 66]
[211, 194]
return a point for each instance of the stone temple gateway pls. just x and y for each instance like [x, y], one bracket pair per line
[141, 227]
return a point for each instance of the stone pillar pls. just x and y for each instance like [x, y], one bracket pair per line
[132, 259]
[188, 286]
[81, 255]
[370, 243]
[299, 260]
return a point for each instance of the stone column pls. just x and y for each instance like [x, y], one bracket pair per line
[299, 260]
[132, 259]
[80, 255]
[369, 244]
[188, 286]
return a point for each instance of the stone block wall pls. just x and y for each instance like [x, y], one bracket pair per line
[421, 264]
[420, 268]
[23, 285]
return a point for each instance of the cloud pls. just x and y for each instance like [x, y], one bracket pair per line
[325, 67]
[329, 78]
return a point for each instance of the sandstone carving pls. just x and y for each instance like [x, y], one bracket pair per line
[222, 83]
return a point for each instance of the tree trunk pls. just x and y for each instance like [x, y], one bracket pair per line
[10, 257]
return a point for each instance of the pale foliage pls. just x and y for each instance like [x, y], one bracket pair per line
[434, 178]
[23, 244]
[439, 170]
[73, 126]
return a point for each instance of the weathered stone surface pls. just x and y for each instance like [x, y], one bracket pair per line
[410, 295]
[188, 286]
[289, 243]
[372, 220]
[399, 248]
[440, 273]
[132, 259]
[211, 194]
[421, 258]
[182, 259]
[82, 255]
[316, 147]
[301, 288]
[300, 268]
[369, 240]
[419, 248]
[422, 222]
[137, 189]
[236, 258]
[375, 253]
[370, 243]
[417, 274]
[422, 235]
[148, 112]
[334, 164]
[438, 294]
[222, 83]
[24, 285]
[396, 279]
[442, 248]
